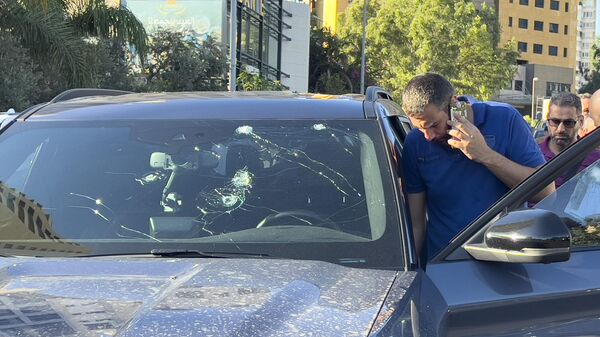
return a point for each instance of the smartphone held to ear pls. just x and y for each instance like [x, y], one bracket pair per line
[458, 108]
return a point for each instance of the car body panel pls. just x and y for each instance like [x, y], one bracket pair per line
[128, 296]
[506, 298]
[203, 106]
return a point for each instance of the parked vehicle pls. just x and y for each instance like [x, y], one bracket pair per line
[269, 214]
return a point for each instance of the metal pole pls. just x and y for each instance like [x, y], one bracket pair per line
[533, 98]
[233, 46]
[362, 51]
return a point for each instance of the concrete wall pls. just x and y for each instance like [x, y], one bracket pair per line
[547, 74]
[295, 53]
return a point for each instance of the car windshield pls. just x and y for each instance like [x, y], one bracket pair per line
[297, 189]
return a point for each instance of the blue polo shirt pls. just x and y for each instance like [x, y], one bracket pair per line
[458, 189]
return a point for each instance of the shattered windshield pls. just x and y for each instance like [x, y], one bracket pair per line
[299, 189]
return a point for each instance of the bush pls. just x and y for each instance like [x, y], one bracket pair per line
[249, 82]
[178, 61]
[19, 82]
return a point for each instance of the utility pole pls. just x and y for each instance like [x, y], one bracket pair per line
[362, 51]
[533, 105]
[233, 46]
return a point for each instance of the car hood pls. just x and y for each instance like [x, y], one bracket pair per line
[187, 297]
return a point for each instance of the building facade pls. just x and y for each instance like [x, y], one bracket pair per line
[327, 12]
[263, 31]
[546, 35]
[586, 35]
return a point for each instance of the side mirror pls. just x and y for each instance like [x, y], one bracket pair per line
[527, 236]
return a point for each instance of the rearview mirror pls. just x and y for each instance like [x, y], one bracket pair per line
[527, 236]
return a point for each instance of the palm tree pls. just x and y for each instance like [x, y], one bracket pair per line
[54, 31]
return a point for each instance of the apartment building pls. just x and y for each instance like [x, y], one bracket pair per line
[546, 35]
[586, 35]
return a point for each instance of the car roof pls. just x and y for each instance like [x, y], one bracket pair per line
[204, 105]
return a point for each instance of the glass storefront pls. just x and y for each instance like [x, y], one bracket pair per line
[260, 25]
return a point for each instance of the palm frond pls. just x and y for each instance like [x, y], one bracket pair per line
[117, 24]
[49, 38]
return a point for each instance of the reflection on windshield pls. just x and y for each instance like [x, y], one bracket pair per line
[29, 227]
[166, 181]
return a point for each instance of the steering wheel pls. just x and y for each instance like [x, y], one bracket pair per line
[298, 217]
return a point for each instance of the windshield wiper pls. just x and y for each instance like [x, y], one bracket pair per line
[202, 254]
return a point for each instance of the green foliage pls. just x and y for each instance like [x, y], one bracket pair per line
[249, 82]
[593, 76]
[55, 33]
[45, 32]
[20, 78]
[95, 18]
[179, 62]
[410, 37]
[112, 66]
[330, 70]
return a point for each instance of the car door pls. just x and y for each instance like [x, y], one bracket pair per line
[464, 295]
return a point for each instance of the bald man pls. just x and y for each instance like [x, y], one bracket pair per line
[587, 124]
[595, 108]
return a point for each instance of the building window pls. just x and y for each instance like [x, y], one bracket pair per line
[554, 28]
[510, 21]
[565, 52]
[522, 46]
[554, 88]
[524, 2]
[553, 50]
[538, 25]
[511, 1]
[555, 5]
[523, 23]
[539, 3]
[537, 48]
[566, 30]
[518, 85]
[566, 7]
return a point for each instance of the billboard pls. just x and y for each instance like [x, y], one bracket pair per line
[204, 17]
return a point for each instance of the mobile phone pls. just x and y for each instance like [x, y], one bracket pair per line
[459, 108]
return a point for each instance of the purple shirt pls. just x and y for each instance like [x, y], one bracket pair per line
[548, 154]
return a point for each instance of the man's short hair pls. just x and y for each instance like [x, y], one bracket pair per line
[567, 99]
[426, 89]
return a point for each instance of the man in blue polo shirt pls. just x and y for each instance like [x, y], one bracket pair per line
[454, 170]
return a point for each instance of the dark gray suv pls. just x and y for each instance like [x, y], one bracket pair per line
[269, 214]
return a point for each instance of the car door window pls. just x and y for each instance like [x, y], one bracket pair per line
[577, 202]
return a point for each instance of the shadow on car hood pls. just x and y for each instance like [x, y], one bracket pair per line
[187, 297]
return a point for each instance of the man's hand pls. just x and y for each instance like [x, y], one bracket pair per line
[468, 139]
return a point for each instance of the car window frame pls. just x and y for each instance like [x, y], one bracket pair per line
[395, 126]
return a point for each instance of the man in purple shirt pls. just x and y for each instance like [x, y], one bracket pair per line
[564, 120]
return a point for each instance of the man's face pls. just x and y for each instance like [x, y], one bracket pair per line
[585, 106]
[595, 108]
[433, 123]
[563, 124]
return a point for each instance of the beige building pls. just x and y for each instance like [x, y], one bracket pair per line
[546, 35]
